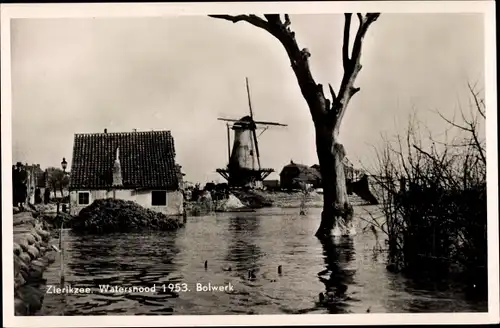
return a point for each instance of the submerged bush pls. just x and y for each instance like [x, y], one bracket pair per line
[116, 215]
[434, 200]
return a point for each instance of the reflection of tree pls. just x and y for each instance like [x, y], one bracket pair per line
[337, 255]
[242, 249]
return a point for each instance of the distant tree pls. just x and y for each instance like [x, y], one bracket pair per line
[209, 186]
[196, 192]
[57, 179]
[326, 113]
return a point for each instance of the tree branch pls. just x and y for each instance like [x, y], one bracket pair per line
[273, 19]
[345, 46]
[287, 20]
[252, 19]
[313, 94]
[479, 103]
[298, 58]
[351, 65]
[334, 98]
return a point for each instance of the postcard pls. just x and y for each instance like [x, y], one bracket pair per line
[263, 163]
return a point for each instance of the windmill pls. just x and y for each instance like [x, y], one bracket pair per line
[244, 167]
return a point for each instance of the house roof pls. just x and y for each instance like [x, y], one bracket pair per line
[147, 160]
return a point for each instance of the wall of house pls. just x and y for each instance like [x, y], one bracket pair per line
[175, 200]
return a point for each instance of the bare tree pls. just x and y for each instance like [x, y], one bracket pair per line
[326, 114]
[57, 180]
[434, 193]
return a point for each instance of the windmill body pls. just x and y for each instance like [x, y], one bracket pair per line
[243, 152]
[244, 169]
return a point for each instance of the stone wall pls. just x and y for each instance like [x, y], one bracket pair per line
[32, 255]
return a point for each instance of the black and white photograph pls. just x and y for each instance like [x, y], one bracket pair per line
[221, 163]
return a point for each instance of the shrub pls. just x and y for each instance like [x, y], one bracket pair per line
[434, 200]
[116, 215]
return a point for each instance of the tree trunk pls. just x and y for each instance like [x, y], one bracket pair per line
[337, 209]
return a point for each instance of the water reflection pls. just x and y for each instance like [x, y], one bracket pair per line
[243, 252]
[347, 269]
[119, 260]
[427, 291]
[337, 253]
[120, 255]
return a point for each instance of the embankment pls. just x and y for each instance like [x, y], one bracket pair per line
[283, 199]
[247, 200]
[287, 199]
[32, 255]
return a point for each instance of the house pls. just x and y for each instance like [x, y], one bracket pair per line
[35, 183]
[294, 174]
[136, 166]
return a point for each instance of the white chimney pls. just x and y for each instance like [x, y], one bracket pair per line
[117, 170]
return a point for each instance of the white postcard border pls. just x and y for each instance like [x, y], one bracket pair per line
[135, 10]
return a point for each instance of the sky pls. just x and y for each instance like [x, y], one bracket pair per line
[181, 73]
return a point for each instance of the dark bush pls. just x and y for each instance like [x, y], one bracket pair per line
[116, 215]
[434, 201]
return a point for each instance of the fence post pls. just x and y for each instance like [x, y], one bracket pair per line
[61, 251]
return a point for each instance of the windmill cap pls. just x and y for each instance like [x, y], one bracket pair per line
[245, 119]
[244, 122]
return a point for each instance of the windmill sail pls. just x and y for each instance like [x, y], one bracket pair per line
[249, 100]
[252, 127]
[227, 119]
[228, 143]
[269, 123]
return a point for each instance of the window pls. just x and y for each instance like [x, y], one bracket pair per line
[83, 198]
[158, 198]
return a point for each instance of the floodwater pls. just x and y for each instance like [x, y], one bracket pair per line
[232, 244]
